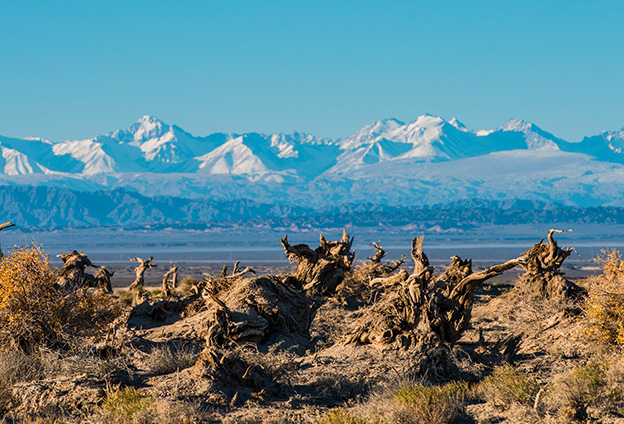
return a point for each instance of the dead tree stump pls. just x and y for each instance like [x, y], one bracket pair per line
[543, 278]
[171, 276]
[140, 271]
[377, 269]
[103, 280]
[424, 311]
[72, 274]
[321, 270]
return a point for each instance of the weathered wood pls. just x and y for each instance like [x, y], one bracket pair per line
[103, 280]
[321, 270]
[170, 280]
[543, 277]
[7, 224]
[72, 274]
[422, 310]
[376, 270]
[140, 271]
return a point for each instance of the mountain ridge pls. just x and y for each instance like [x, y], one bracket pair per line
[387, 164]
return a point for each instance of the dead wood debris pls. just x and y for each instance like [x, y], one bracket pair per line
[320, 271]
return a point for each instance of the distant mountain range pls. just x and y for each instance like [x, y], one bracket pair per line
[156, 173]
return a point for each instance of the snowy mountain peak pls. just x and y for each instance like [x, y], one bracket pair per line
[372, 132]
[457, 124]
[148, 127]
[519, 125]
[427, 120]
[536, 138]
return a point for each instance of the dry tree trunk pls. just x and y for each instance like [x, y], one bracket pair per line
[72, 274]
[321, 270]
[422, 310]
[140, 271]
[225, 331]
[543, 278]
[376, 269]
[237, 272]
[2, 227]
[170, 275]
[103, 280]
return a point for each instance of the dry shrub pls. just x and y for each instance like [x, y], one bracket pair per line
[604, 306]
[594, 389]
[167, 359]
[507, 386]
[35, 312]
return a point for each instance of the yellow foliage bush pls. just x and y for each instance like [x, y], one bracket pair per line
[34, 311]
[604, 306]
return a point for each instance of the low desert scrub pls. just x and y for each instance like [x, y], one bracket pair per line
[604, 306]
[409, 404]
[127, 406]
[507, 386]
[35, 312]
[166, 359]
[341, 416]
[126, 298]
[595, 389]
[432, 404]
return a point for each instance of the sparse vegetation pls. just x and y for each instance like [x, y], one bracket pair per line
[36, 312]
[167, 359]
[341, 416]
[125, 406]
[433, 404]
[266, 349]
[508, 386]
[604, 307]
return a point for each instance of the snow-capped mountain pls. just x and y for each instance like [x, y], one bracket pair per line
[390, 163]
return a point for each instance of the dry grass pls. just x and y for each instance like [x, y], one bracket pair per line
[168, 359]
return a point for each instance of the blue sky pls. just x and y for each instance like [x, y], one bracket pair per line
[76, 69]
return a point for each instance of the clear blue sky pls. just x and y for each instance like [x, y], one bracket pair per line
[76, 69]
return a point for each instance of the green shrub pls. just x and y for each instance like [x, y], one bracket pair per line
[341, 416]
[507, 386]
[122, 406]
[433, 404]
[126, 298]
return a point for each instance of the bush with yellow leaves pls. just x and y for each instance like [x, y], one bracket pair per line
[34, 311]
[604, 306]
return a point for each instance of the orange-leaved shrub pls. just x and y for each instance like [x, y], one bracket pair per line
[34, 311]
[604, 306]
